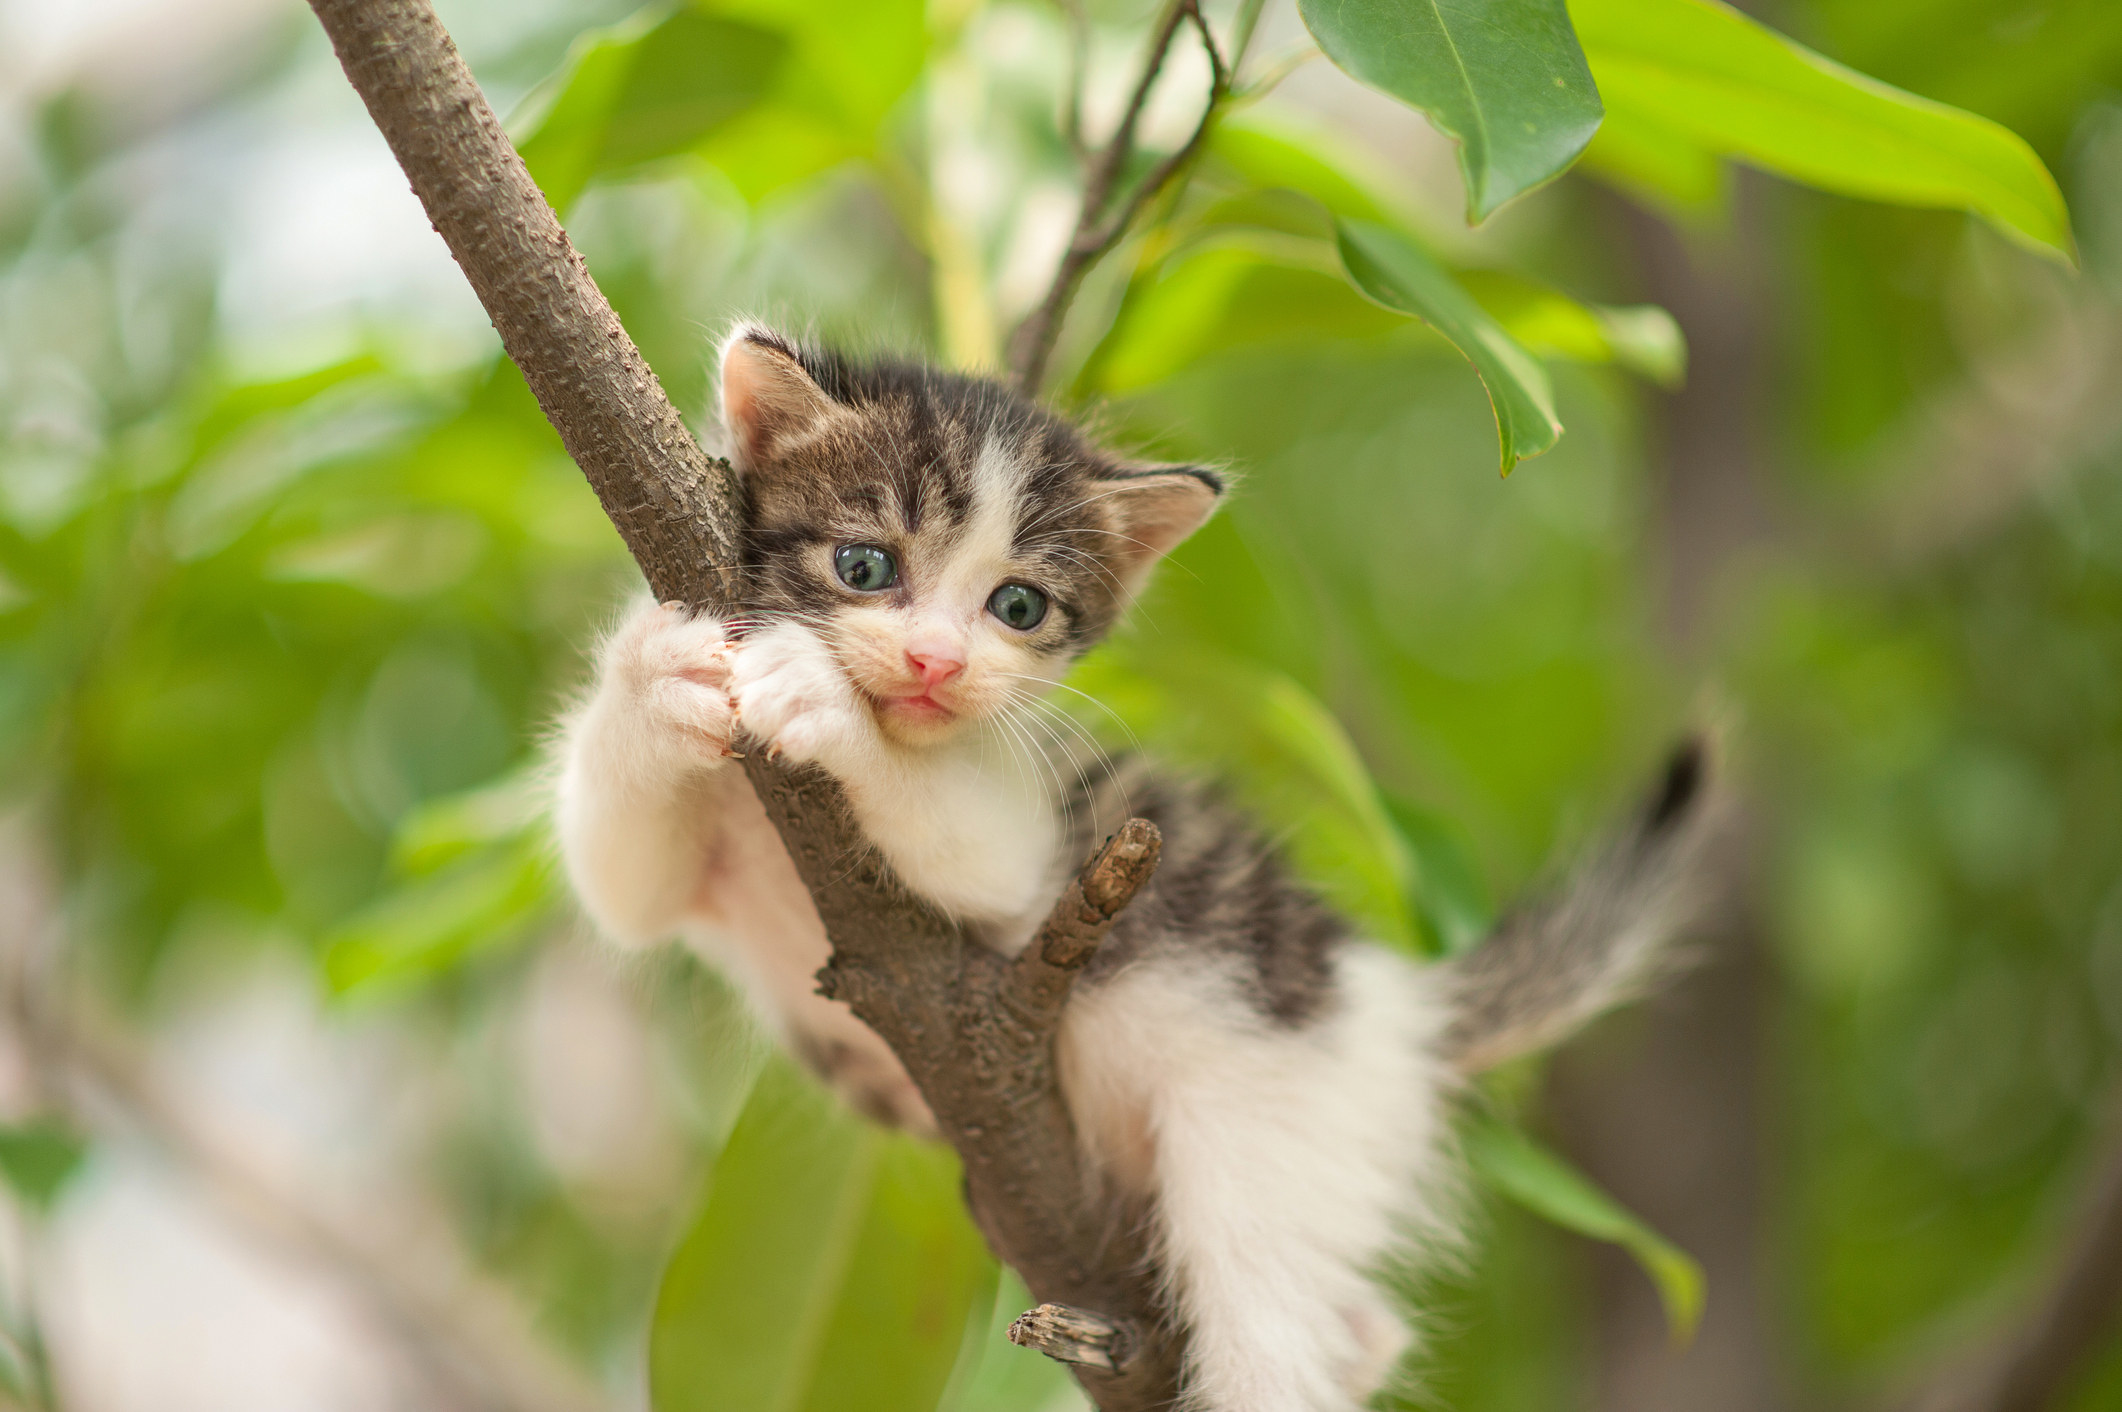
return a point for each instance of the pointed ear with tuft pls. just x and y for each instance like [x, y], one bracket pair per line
[1156, 507]
[767, 397]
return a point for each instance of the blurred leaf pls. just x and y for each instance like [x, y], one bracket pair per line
[1702, 71]
[995, 1375]
[1664, 169]
[1453, 900]
[1400, 274]
[851, 64]
[429, 925]
[645, 88]
[38, 1158]
[1542, 1182]
[1640, 337]
[440, 831]
[1234, 293]
[1272, 159]
[832, 1267]
[1294, 765]
[1502, 78]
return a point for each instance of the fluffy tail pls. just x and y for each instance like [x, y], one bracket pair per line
[1555, 964]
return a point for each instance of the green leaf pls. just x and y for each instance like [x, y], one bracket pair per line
[643, 89]
[1401, 275]
[439, 831]
[429, 925]
[1453, 899]
[832, 1268]
[1294, 765]
[1543, 1183]
[1503, 78]
[1643, 338]
[1238, 292]
[38, 1158]
[1697, 72]
[852, 64]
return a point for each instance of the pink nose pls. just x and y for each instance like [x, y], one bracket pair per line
[936, 664]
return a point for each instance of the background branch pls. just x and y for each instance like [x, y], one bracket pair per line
[985, 1068]
[1097, 232]
[2037, 1366]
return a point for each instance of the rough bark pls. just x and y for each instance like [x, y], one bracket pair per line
[973, 1030]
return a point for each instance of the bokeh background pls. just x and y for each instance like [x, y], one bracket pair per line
[318, 1094]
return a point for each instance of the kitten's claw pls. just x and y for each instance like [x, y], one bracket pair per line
[789, 694]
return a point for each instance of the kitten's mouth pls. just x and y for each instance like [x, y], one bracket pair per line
[920, 707]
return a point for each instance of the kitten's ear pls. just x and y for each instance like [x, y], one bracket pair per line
[1157, 508]
[766, 395]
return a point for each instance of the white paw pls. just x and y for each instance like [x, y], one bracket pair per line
[675, 667]
[793, 698]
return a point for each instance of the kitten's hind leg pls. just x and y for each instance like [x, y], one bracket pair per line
[1287, 1162]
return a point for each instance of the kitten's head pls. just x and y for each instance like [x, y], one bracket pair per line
[955, 544]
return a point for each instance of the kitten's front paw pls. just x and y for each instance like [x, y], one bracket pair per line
[793, 698]
[676, 668]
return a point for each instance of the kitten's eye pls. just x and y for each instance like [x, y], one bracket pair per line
[864, 567]
[1018, 604]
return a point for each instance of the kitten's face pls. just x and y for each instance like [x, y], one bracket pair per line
[956, 546]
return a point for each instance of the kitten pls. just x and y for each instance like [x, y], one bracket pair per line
[927, 553]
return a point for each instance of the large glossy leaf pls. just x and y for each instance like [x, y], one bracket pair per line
[1542, 1182]
[831, 1268]
[1697, 74]
[1503, 78]
[1398, 273]
[645, 89]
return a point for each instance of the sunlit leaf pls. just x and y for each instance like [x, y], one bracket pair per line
[1453, 900]
[38, 1158]
[648, 87]
[430, 924]
[441, 830]
[1643, 338]
[1701, 72]
[850, 66]
[1543, 1183]
[995, 1375]
[1503, 78]
[1295, 767]
[1398, 273]
[831, 1267]
[1235, 293]
[1270, 159]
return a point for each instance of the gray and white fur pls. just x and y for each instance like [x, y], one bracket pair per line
[927, 553]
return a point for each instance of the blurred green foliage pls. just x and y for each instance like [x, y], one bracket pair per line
[277, 648]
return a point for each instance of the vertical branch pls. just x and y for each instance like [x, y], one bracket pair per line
[975, 1032]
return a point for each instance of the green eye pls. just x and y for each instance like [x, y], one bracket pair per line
[1018, 604]
[864, 567]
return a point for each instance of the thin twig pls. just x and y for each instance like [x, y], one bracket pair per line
[1079, 35]
[1096, 232]
[1069, 1335]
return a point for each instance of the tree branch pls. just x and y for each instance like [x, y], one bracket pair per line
[1096, 232]
[974, 1031]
